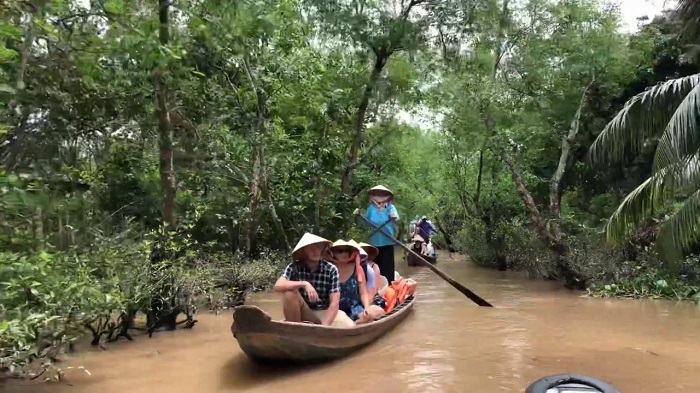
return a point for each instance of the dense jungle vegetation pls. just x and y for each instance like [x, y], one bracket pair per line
[162, 156]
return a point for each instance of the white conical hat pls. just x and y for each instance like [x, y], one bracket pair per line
[418, 238]
[307, 240]
[343, 243]
[358, 247]
[371, 250]
[381, 188]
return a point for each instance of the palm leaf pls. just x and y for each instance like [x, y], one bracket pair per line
[681, 231]
[671, 109]
[681, 136]
[689, 13]
[655, 193]
[645, 115]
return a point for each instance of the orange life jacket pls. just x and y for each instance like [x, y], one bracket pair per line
[390, 296]
[398, 291]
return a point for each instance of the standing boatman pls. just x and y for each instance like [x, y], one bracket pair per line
[381, 211]
[426, 229]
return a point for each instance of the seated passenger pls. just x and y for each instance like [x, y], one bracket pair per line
[372, 252]
[374, 286]
[354, 297]
[419, 245]
[371, 282]
[429, 248]
[310, 285]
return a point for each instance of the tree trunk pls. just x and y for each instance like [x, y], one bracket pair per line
[567, 144]
[382, 57]
[165, 127]
[547, 231]
[318, 205]
[319, 188]
[38, 228]
[255, 194]
[477, 194]
[25, 49]
[260, 187]
[382, 54]
[271, 207]
[162, 312]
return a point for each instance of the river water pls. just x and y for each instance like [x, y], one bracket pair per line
[448, 344]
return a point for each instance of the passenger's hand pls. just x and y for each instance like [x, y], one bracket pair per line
[363, 318]
[311, 292]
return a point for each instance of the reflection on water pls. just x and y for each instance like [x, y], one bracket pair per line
[447, 345]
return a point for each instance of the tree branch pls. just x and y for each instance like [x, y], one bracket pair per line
[567, 144]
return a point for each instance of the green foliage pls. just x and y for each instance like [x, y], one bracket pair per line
[47, 298]
[649, 280]
[667, 115]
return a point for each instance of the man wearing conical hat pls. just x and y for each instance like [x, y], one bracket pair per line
[381, 209]
[310, 284]
[426, 229]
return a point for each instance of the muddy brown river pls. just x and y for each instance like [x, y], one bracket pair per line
[448, 344]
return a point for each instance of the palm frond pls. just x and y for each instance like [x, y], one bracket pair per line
[689, 12]
[680, 231]
[653, 194]
[645, 115]
[681, 136]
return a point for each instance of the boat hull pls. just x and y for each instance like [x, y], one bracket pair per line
[412, 260]
[266, 341]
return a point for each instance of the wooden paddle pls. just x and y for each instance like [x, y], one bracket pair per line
[471, 295]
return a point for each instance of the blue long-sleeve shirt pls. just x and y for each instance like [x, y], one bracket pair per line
[426, 229]
[379, 217]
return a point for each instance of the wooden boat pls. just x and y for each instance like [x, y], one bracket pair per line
[266, 341]
[412, 260]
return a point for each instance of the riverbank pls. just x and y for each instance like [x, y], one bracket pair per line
[608, 272]
[114, 293]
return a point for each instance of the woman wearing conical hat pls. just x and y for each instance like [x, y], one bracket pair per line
[355, 299]
[419, 245]
[381, 209]
[310, 285]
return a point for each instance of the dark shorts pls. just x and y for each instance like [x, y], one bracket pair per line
[385, 261]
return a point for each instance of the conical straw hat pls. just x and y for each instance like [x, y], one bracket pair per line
[418, 238]
[307, 240]
[357, 245]
[371, 250]
[361, 278]
[381, 188]
[342, 243]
